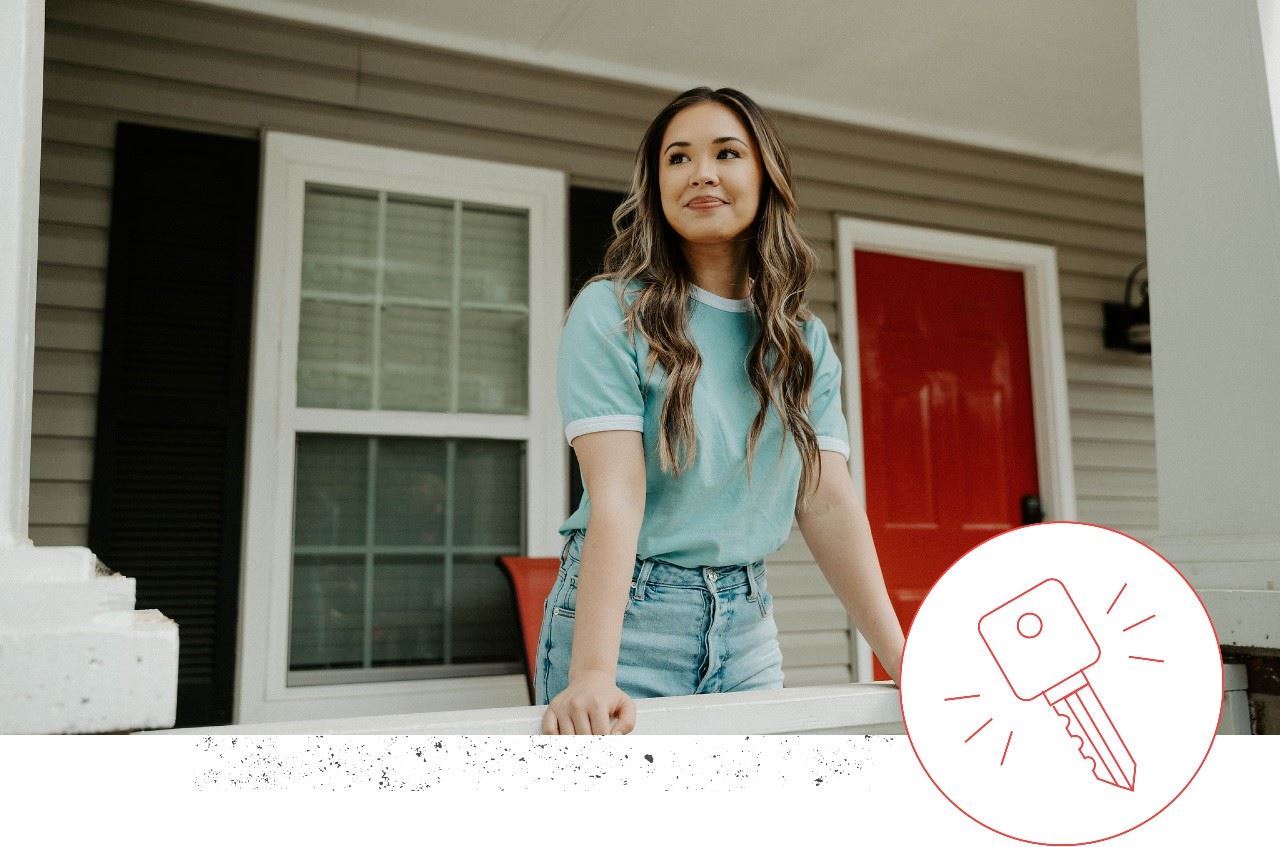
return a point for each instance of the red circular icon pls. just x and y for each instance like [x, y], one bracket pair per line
[1061, 683]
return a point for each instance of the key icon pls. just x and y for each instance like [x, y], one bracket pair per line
[1043, 646]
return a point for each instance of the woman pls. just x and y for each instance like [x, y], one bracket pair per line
[690, 354]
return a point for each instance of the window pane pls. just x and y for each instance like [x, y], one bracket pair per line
[485, 626]
[335, 344]
[411, 492]
[493, 365]
[408, 610]
[415, 359]
[327, 612]
[441, 512]
[495, 255]
[339, 240]
[488, 493]
[330, 496]
[419, 260]
[383, 318]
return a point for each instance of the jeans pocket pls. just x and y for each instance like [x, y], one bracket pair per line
[567, 597]
[766, 603]
[573, 549]
[559, 654]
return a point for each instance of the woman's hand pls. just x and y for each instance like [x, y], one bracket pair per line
[591, 705]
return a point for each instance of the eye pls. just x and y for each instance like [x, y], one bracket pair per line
[671, 160]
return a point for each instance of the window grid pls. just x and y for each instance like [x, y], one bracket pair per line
[449, 460]
[422, 302]
[450, 456]
[370, 499]
[455, 304]
[370, 550]
[455, 341]
[379, 273]
[399, 549]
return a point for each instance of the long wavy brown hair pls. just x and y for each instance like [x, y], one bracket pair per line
[646, 248]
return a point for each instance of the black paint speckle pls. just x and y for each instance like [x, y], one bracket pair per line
[418, 763]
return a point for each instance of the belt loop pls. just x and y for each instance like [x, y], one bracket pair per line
[754, 591]
[642, 578]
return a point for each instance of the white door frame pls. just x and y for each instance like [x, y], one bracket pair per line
[1039, 266]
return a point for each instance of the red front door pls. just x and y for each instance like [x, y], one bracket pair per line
[947, 423]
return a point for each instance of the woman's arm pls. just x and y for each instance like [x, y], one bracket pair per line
[836, 529]
[613, 472]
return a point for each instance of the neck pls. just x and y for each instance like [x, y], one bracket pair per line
[719, 268]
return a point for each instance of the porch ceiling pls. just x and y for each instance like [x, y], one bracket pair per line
[1041, 77]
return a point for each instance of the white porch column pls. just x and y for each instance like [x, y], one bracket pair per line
[21, 48]
[1210, 83]
[74, 655]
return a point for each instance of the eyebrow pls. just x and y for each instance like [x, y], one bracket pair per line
[719, 140]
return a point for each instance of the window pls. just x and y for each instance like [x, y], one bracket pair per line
[404, 432]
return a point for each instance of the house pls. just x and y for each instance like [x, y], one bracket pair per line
[246, 221]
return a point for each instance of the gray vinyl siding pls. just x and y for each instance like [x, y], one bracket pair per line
[214, 70]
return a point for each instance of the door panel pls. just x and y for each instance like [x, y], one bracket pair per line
[947, 415]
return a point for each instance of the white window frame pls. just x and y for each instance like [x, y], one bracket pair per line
[291, 161]
[1039, 266]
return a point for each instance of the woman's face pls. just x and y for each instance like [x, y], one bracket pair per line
[706, 151]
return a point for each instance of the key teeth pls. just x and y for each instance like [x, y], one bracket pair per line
[1080, 738]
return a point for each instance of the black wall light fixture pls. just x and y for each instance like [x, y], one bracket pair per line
[1127, 325]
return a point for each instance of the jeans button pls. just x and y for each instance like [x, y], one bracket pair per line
[711, 575]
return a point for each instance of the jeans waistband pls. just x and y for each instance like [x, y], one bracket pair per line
[656, 571]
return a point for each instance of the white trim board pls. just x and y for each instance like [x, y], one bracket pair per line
[846, 709]
[1242, 617]
[1039, 266]
[367, 24]
[289, 162]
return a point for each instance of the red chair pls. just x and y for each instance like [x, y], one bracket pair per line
[531, 581]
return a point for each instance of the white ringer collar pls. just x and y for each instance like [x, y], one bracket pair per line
[726, 304]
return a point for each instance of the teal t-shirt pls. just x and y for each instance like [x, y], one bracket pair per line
[709, 516]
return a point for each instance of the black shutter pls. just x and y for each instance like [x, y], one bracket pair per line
[168, 473]
[590, 233]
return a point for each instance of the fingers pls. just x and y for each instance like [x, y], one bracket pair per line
[591, 716]
[626, 721]
[581, 722]
[599, 714]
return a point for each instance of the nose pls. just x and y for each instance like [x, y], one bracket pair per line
[704, 173]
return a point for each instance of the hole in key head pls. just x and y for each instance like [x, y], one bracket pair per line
[1029, 625]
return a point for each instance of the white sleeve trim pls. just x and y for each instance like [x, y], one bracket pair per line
[605, 422]
[835, 445]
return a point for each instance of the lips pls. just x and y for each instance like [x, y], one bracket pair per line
[705, 204]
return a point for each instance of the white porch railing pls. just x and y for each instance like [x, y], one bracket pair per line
[870, 708]
[851, 709]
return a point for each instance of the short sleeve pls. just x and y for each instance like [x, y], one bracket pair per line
[597, 375]
[826, 411]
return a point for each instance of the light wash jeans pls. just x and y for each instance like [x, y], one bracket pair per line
[686, 630]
